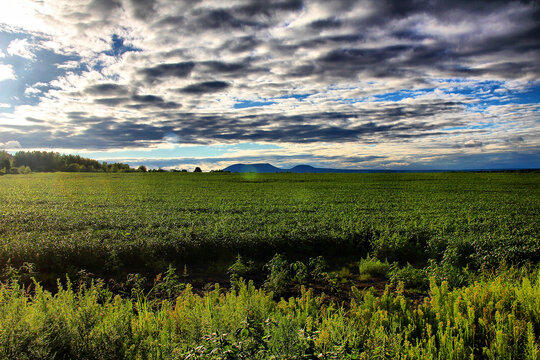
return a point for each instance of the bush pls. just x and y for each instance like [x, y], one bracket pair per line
[373, 267]
[238, 270]
[318, 267]
[299, 272]
[278, 278]
[411, 277]
[454, 276]
[168, 285]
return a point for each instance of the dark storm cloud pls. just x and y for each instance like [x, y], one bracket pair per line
[407, 60]
[455, 57]
[106, 89]
[101, 132]
[174, 20]
[138, 102]
[384, 11]
[149, 99]
[269, 8]
[111, 101]
[303, 70]
[222, 19]
[378, 62]
[249, 15]
[223, 67]
[104, 7]
[143, 9]
[241, 44]
[385, 124]
[81, 118]
[194, 128]
[205, 87]
[323, 24]
[178, 70]
[123, 133]
[409, 34]
[144, 101]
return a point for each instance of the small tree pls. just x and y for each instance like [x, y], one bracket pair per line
[197, 169]
[142, 168]
[5, 161]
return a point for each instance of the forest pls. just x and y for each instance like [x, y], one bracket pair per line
[24, 162]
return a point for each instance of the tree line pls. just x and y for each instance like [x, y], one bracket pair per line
[43, 161]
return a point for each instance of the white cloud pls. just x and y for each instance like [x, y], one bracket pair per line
[22, 48]
[32, 91]
[6, 72]
[69, 65]
[10, 145]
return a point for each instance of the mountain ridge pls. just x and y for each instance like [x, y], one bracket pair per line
[269, 168]
[305, 169]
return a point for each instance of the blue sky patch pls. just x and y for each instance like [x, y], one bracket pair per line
[44, 68]
[402, 94]
[242, 104]
[118, 47]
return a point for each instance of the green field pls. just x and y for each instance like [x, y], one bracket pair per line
[476, 233]
[144, 221]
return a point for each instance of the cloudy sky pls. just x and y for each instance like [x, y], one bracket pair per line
[410, 84]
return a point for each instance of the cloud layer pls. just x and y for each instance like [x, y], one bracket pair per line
[328, 82]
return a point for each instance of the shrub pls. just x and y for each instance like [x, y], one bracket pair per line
[240, 268]
[373, 267]
[168, 285]
[299, 272]
[454, 276]
[318, 267]
[411, 277]
[278, 278]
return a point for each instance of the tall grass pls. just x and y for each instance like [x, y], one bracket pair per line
[494, 318]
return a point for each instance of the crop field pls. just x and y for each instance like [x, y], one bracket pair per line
[452, 258]
[113, 222]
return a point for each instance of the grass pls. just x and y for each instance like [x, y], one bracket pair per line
[372, 267]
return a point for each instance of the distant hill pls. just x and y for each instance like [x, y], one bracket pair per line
[257, 168]
[305, 169]
[268, 168]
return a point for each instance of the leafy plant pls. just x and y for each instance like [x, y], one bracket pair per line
[318, 267]
[411, 277]
[278, 278]
[240, 268]
[168, 285]
[299, 272]
[373, 267]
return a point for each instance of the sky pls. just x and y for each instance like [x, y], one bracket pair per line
[360, 84]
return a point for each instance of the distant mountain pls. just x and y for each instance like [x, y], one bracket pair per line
[268, 168]
[257, 168]
[304, 169]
